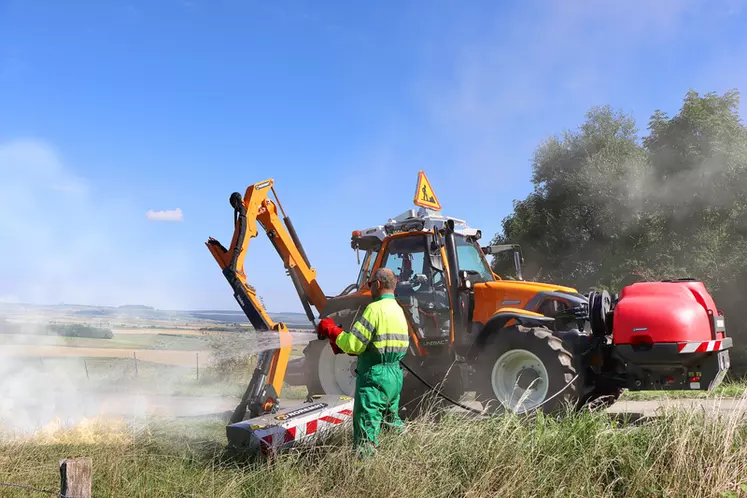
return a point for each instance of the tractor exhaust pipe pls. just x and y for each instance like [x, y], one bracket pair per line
[451, 257]
[296, 240]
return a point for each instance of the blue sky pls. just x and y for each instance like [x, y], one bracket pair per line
[110, 110]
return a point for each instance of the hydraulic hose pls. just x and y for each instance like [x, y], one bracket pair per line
[438, 391]
[456, 403]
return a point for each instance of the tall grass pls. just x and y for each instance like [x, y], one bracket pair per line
[582, 454]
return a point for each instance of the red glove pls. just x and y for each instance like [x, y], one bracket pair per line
[324, 326]
[329, 329]
[333, 332]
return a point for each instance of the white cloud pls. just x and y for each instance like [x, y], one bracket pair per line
[172, 215]
[70, 242]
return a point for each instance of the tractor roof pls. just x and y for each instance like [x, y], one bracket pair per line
[421, 220]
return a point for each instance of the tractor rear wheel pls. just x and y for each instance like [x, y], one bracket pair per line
[522, 369]
[326, 372]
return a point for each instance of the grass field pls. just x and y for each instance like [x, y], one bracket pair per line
[683, 454]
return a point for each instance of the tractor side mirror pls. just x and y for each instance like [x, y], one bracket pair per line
[518, 258]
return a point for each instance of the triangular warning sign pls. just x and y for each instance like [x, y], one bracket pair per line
[424, 195]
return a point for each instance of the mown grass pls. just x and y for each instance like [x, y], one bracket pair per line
[582, 454]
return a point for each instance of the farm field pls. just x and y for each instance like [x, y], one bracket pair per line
[172, 346]
[162, 331]
[169, 357]
[135, 341]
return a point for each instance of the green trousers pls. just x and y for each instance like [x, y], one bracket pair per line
[376, 403]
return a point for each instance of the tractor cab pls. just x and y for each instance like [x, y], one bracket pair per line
[412, 246]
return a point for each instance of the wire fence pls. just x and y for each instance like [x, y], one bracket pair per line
[31, 488]
[75, 480]
[135, 364]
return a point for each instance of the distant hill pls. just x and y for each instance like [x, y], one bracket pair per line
[142, 312]
[291, 320]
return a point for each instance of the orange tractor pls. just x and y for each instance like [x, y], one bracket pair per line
[518, 345]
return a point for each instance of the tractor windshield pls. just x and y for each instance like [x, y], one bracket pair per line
[421, 288]
[471, 258]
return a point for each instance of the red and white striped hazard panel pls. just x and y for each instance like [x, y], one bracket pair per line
[273, 437]
[700, 346]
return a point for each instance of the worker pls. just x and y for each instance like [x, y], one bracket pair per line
[379, 338]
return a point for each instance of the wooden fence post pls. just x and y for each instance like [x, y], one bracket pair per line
[197, 362]
[75, 478]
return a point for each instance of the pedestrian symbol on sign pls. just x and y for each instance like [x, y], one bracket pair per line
[424, 195]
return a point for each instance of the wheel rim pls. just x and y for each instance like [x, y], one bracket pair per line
[519, 379]
[336, 372]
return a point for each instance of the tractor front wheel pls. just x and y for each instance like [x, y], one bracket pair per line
[522, 369]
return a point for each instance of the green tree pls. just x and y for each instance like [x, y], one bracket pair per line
[568, 227]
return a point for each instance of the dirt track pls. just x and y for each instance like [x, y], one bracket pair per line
[654, 408]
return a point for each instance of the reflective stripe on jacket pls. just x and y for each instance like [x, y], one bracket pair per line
[381, 331]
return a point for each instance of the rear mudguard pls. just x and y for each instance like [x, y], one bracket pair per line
[506, 317]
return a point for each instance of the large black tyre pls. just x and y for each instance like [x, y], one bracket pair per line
[519, 357]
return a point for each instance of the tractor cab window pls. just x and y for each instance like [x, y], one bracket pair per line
[366, 266]
[471, 258]
[421, 289]
[405, 257]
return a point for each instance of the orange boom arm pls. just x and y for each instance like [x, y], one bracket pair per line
[254, 209]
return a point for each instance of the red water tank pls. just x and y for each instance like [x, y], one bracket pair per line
[656, 312]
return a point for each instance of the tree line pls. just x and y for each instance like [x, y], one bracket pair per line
[610, 207]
